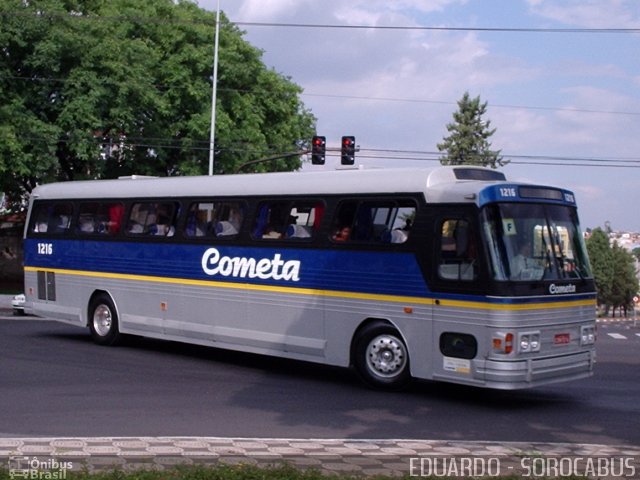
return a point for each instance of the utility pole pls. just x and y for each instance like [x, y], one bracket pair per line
[212, 137]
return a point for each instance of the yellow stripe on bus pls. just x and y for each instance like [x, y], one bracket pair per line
[317, 292]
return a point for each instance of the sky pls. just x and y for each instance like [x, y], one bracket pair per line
[565, 104]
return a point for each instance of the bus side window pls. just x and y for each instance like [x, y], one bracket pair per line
[100, 218]
[214, 219]
[288, 220]
[303, 220]
[380, 222]
[52, 218]
[457, 251]
[152, 219]
[228, 221]
[199, 219]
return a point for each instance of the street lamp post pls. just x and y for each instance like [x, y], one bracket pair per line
[212, 137]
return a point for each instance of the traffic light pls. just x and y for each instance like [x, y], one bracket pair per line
[318, 149]
[348, 151]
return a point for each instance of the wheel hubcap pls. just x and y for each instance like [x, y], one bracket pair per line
[386, 356]
[102, 320]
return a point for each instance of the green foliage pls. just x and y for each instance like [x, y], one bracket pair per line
[601, 259]
[625, 281]
[468, 140]
[613, 270]
[101, 88]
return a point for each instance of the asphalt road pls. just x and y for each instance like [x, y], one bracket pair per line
[55, 382]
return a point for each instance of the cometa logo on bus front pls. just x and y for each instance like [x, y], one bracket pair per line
[242, 267]
[558, 289]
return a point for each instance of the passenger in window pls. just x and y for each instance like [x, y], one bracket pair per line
[163, 227]
[298, 231]
[524, 265]
[271, 233]
[399, 236]
[235, 218]
[86, 225]
[342, 235]
[62, 224]
[115, 218]
[225, 228]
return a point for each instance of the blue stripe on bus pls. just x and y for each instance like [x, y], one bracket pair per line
[375, 273]
[384, 273]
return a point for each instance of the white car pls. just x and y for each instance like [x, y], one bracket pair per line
[17, 303]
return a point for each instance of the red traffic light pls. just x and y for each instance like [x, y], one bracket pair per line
[318, 149]
[348, 150]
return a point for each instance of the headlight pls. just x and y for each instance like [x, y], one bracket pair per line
[587, 335]
[529, 342]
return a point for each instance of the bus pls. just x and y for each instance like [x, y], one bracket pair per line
[398, 273]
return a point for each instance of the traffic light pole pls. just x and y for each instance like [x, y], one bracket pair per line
[318, 149]
[271, 159]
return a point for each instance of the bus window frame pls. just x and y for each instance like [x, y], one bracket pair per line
[252, 221]
[183, 219]
[476, 285]
[77, 231]
[391, 201]
[66, 233]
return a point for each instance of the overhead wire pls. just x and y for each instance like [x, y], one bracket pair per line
[41, 14]
[260, 91]
[407, 155]
[390, 155]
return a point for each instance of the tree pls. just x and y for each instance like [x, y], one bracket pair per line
[625, 282]
[101, 88]
[468, 141]
[601, 259]
[613, 270]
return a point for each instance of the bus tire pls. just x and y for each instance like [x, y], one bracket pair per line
[103, 320]
[381, 357]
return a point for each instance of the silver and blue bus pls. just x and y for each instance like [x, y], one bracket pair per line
[452, 274]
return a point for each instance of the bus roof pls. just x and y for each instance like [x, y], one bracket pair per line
[353, 181]
[450, 184]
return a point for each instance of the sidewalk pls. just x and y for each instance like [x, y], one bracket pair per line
[354, 456]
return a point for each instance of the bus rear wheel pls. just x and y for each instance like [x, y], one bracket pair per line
[381, 357]
[103, 320]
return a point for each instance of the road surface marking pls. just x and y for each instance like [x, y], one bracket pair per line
[617, 336]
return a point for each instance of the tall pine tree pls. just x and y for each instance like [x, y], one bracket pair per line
[468, 140]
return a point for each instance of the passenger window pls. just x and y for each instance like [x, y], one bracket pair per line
[152, 219]
[214, 219]
[384, 222]
[457, 251]
[52, 218]
[288, 220]
[100, 218]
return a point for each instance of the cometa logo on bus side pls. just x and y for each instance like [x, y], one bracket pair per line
[242, 267]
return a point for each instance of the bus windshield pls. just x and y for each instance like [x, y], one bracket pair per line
[533, 242]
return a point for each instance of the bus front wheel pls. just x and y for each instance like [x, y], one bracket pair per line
[103, 320]
[381, 357]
